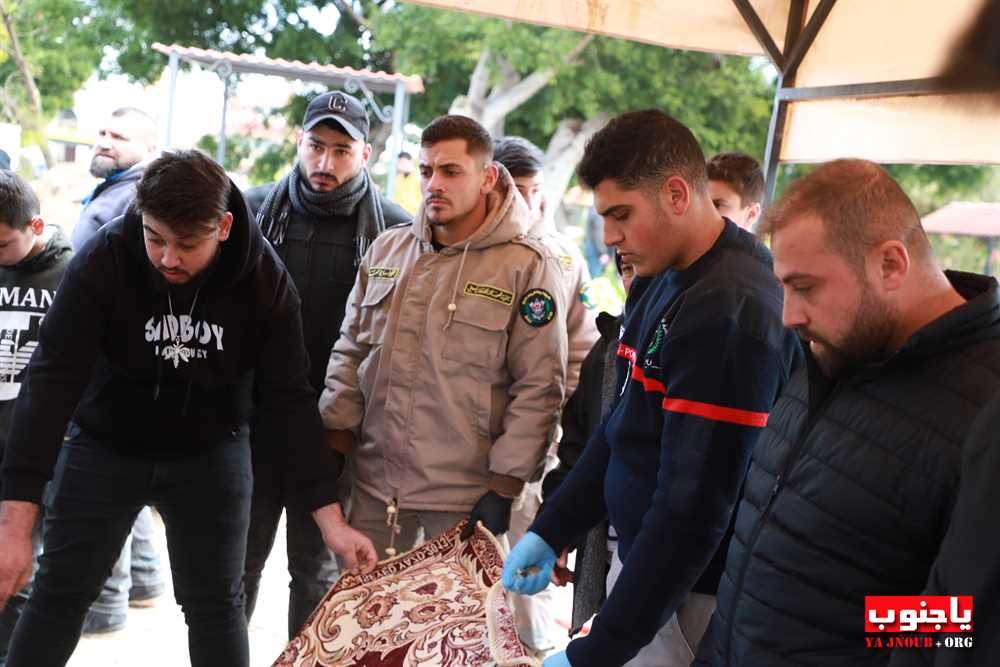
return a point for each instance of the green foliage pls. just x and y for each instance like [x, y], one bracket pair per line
[724, 100]
[962, 253]
[931, 187]
[272, 163]
[241, 26]
[238, 149]
[62, 41]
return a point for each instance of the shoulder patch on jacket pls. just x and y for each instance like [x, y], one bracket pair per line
[489, 292]
[537, 307]
[535, 244]
[383, 272]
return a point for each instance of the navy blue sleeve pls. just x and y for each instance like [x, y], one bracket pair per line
[69, 339]
[578, 503]
[718, 384]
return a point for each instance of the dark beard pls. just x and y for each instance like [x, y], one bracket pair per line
[102, 166]
[866, 341]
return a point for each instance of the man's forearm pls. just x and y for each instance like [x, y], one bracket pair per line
[18, 516]
[329, 516]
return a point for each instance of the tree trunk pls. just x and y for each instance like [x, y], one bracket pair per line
[33, 118]
[561, 158]
[378, 138]
[490, 104]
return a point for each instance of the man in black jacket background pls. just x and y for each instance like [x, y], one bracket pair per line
[852, 486]
[320, 219]
[167, 331]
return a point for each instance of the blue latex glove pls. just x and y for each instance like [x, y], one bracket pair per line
[529, 553]
[557, 660]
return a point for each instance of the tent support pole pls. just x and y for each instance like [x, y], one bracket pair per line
[174, 66]
[798, 39]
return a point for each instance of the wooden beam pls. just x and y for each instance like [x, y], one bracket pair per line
[902, 88]
[805, 40]
[759, 30]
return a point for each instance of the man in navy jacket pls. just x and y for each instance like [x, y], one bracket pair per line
[702, 358]
[168, 330]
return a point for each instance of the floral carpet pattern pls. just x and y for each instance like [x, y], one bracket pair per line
[440, 605]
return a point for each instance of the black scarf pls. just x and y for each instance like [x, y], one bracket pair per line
[357, 196]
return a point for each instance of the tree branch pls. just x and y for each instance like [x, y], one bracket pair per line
[513, 92]
[479, 82]
[471, 104]
[347, 7]
[571, 57]
[34, 97]
[513, 97]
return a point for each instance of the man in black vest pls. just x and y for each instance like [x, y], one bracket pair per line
[321, 218]
[854, 480]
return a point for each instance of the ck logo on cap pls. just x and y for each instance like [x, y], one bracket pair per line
[337, 103]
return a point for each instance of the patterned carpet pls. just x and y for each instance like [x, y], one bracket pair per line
[440, 605]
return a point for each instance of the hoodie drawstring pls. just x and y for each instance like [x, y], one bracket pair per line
[452, 306]
[176, 340]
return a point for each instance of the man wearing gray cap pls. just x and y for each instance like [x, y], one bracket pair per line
[321, 218]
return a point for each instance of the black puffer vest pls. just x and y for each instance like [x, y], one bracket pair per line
[850, 493]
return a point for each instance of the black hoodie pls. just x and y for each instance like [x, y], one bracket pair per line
[26, 292]
[107, 343]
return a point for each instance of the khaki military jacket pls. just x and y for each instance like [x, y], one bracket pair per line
[581, 320]
[451, 365]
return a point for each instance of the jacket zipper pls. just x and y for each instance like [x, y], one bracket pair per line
[792, 457]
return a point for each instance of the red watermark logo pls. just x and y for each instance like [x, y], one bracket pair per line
[918, 613]
[912, 621]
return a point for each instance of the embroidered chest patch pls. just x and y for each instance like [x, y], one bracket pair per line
[383, 272]
[489, 292]
[566, 261]
[537, 307]
[650, 360]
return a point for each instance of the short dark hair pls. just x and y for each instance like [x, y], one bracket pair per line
[443, 128]
[520, 156]
[405, 154]
[185, 190]
[642, 149]
[741, 172]
[18, 202]
[860, 206]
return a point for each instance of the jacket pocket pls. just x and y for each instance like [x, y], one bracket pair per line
[375, 306]
[478, 336]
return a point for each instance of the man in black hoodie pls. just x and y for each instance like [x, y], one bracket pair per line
[169, 330]
[320, 218]
[33, 258]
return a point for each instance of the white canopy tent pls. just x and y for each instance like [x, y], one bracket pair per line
[857, 77]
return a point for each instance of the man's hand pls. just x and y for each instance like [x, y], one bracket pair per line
[356, 550]
[561, 574]
[528, 568]
[340, 441]
[17, 519]
[493, 510]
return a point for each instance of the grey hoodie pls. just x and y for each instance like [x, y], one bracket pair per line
[109, 200]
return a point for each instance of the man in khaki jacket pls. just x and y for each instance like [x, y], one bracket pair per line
[449, 374]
